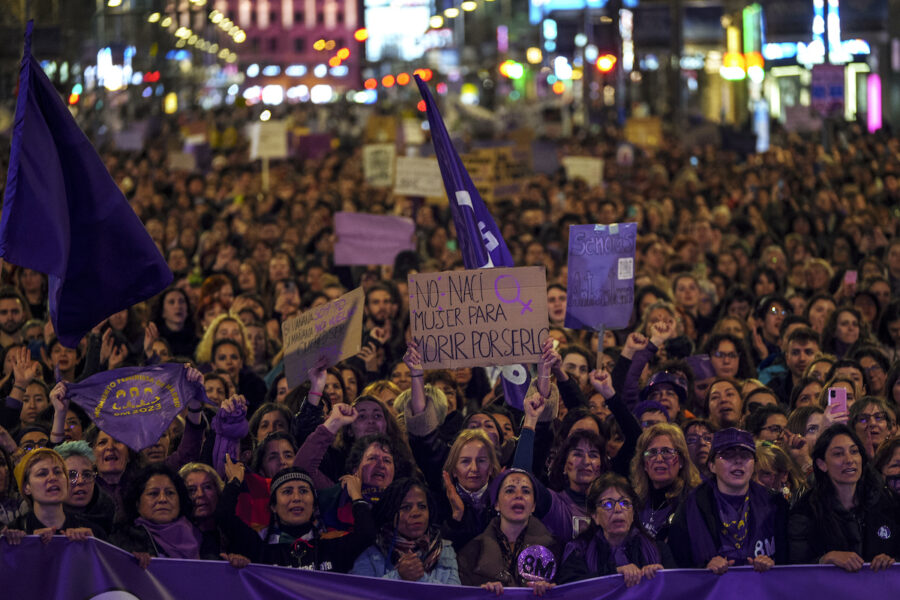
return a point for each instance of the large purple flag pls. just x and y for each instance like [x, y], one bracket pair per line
[480, 241]
[135, 405]
[63, 215]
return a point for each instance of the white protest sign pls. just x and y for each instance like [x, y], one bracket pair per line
[418, 177]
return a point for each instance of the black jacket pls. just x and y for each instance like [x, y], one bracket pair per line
[100, 510]
[870, 529]
[29, 523]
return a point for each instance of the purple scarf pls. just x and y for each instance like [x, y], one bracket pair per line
[230, 429]
[178, 539]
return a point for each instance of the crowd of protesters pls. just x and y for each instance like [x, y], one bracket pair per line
[707, 434]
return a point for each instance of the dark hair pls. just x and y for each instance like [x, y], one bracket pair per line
[756, 420]
[265, 409]
[573, 416]
[606, 481]
[799, 416]
[259, 452]
[402, 467]
[865, 401]
[804, 335]
[891, 313]
[846, 363]
[557, 477]
[385, 512]
[581, 351]
[482, 411]
[823, 491]
[766, 302]
[226, 342]
[885, 452]
[698, 423]
[158, 309]
[798, 389]
[11, 489]
[136, 485]
[829, 333]
[746, 368]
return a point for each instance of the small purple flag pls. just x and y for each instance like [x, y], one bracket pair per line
[136, 405]
[63, 215]
[480, 241]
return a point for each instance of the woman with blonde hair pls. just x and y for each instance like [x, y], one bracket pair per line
[776, 472]
[662, 474]
[225, 326]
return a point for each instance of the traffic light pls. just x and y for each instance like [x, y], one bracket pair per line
[606, 62]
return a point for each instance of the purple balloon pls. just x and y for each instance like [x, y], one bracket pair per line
[537, 563]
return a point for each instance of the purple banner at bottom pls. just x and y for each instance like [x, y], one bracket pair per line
[66, 570]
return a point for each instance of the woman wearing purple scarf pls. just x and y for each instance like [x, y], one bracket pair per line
[730, 520]
[157, 508]
[616, 542]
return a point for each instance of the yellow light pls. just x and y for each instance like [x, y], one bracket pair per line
[606, 63]
[436, 22]
[361, 35]
[180, 44]
[343, 53]
[231, 58]
[214, 48]
[170, 103]
[200, 2]
[559, 87]
[193, 40]
[114, 3]
[240, 37]
[329, 45]
[165, 22]
[534, 55]
[216, 17]
[451, 13]
[224, 53]
[469, 5]
[577, 73]
[154, 17]
[319, 45]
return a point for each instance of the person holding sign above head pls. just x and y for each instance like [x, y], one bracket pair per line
[730, 520]
[616, 542]
[515, 549]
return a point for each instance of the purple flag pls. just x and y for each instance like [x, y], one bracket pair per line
[63, 215]
[480, 241]
[364, 239]
[136, 405]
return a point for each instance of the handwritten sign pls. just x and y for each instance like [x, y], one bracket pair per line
[479, 317]
[588, 168]
[378, 164]
[418, 177]
[268, 140]
[333, 331]
[371, 239]
[601, 276]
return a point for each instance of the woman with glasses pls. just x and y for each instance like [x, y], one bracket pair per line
[848, 517]
[873, 421]
[698, 435]
[767, 423]
[730, 520]
[85, 497]
[662, 475]
[730, 356]
[615, 542]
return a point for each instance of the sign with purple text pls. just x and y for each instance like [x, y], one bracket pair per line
[601, 276]
[479, 317]
[135, 405]
[371, 239]
[333, 331]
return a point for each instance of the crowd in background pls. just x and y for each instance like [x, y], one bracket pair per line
[708, 433]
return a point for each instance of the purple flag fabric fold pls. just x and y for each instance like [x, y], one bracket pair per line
[480, 241]
[63, 215]
[135, 405]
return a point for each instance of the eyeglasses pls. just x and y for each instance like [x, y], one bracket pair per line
[70, 425]
[728, 355]
[610, 505]
[879, 418]
[86, 476]
[873, 369]
[779, 312]
[694, 439]
[29, 446]
[776, 430]
[667, 454]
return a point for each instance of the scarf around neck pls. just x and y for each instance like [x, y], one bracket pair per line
[427, 548]
[178, 539]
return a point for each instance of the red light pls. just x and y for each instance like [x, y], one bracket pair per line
[559, 87]
[371, 84]
[151, 77]
[426, 75]
[606, 63]
[73, 98]
[334, 61]
[421, 106]
[387, 81]
[361, 35]
[343, 53]
[403, 78]
[441, 88]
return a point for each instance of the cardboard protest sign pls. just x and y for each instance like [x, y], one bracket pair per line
[479, 317]
[333, 331]
[268, 139]
[181, 161]
[371, 239]
[601, 276]
[418, 177]
[584, 167]
[378, 164]
[497, 172]
[645, 132]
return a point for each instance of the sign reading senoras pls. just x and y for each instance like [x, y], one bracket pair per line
[479, 317]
